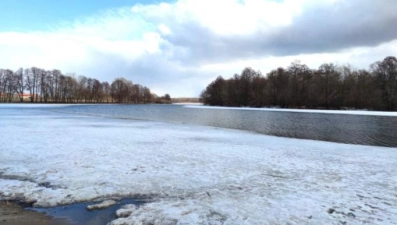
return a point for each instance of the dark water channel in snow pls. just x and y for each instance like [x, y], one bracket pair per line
[341, 128]
[77, 214]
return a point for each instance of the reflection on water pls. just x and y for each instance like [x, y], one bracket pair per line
[353, 129]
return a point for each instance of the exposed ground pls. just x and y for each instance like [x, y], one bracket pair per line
[13, 214]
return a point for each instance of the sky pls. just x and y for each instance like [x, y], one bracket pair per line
[178, 47]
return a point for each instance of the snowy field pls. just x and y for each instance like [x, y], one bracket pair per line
[193, 174]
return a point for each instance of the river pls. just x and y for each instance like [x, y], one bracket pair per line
[350, 128]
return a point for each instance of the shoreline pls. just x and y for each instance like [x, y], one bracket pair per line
[79, 213]
[14, 214]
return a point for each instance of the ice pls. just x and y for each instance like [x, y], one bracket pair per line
[193, 174]
[126, 210]
[101, 205]
[349, 112]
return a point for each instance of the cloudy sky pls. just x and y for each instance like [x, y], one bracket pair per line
[178, 47]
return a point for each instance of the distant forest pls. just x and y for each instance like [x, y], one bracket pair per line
[45, 86]
[328, 87]
[185, 100]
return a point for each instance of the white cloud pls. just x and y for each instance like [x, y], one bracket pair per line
[179, 47]
[225, 17]
[164, 30]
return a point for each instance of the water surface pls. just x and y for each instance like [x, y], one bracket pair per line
[77, 214]
[341, 128]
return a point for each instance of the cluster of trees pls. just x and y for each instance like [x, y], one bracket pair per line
[184, 100]
[52, 86]
[330, 87]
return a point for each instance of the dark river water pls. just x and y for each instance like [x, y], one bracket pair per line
[342, 128]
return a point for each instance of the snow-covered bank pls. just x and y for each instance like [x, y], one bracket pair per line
[188, 103]
[198, 175]
[347, 112]
[31, 105]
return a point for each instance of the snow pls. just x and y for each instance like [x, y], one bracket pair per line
[192, 174]
[101, 205]
[188, 103]
[349, 112]
[32, 105]
[126, 210]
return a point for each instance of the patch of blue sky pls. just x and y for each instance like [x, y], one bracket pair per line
[44, 15]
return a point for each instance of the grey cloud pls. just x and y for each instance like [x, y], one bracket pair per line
[320, 28]
[154, 71]
[349, 24]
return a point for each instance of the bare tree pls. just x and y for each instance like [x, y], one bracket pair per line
[32, 82]
[106, 91]
[19, 85]
[8, 83]
[386, 77]
[118, 89]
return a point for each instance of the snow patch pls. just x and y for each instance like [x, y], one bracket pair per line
[125, 210]
[101, 205]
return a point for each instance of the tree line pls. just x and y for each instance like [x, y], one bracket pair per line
[39, 85]
[297, 86]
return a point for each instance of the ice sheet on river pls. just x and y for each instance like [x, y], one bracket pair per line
[195, 174]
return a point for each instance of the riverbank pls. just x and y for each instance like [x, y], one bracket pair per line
[193, 174]
[14, 214]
